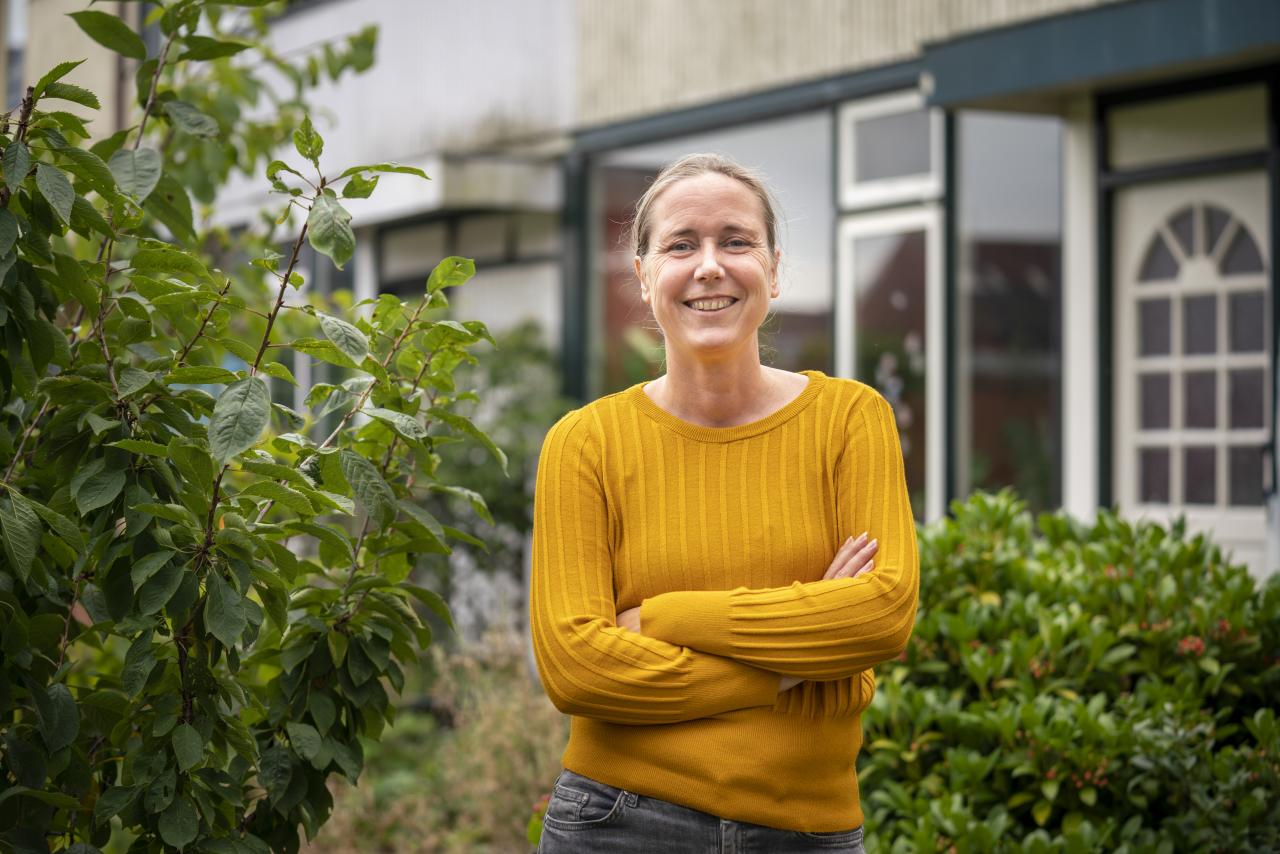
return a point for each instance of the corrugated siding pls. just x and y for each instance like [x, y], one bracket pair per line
[647, 56]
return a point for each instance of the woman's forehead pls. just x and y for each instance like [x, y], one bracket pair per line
[709, 196]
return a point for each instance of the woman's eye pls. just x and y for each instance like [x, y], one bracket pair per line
[680, 246]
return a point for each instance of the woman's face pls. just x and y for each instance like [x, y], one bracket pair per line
[708, 239]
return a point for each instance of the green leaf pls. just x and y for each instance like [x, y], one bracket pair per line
[188, 747]
[141, 446]
[159, 589]
[132, 380]
[384, 167]
[62, 69]
[8, 231]
[59, 717]
[61, 525]
[204, 48]
[136, 172]
[148, 566]
[463, 424]
[200, 374]
[1041, 811]
[190, 120]
[179, 823]
[325, 351]
[16, 163]
[170, 204]
[74, 94]
[474, 498]
[279, 371]
[450, 272]
[403, 424]
[323, 711]
[21, 533]
[371, 490]
[222, 612]
[56, 189]
[280, 494]
[167, 260]
[90, 168]
[360, 187]
[275, 771]
[345, 336]
[95, 486]
[111, 32]
[304, 738]
[329, 229]
[239, 417]
[432, 600]
[1089, 796]
[139, 661]
[85, 216]
[111, 802]
[307, 141]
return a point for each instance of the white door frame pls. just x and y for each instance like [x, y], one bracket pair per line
[926, 218]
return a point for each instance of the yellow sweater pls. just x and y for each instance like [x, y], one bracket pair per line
[721, 535]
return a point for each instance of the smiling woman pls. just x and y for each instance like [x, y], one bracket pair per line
[685, 606]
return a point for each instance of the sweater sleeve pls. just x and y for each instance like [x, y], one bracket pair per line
[820, 629]
[589, 665]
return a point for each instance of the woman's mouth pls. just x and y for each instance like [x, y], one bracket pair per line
[711, 306]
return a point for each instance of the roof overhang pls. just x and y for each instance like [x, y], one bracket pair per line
[1032, 65]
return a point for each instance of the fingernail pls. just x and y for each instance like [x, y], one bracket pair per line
[871, 564]
[875, 544]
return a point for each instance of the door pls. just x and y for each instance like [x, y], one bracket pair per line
[1192, 401]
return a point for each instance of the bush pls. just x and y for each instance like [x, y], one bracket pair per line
[1084, 687]
[464, 777]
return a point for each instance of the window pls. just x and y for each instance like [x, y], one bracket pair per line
[1008, 318]
[890, 151]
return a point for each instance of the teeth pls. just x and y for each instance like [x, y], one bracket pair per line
[711, 304]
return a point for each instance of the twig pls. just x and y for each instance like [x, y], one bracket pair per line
[28, 104]
[186, 350]
[17, 454]
[155, 83]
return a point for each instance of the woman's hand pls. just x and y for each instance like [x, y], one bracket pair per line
[855, 557]
[630, 620]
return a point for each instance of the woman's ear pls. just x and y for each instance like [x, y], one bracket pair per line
[774, 288]
[644, 291]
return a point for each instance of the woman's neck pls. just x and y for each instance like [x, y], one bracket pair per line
[723, 394]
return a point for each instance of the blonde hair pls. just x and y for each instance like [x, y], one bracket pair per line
[691, 166]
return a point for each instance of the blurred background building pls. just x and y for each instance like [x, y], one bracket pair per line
[1044, 229]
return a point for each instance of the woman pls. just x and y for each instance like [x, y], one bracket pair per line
[685, 607]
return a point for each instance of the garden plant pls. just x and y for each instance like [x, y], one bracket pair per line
[1071, 686]
[205, 600]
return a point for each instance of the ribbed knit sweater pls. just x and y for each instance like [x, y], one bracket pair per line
[721, 536]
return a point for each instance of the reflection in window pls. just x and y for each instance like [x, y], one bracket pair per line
[890, 277]
[1008, 318]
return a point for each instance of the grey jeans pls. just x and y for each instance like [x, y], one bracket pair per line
[586, 816]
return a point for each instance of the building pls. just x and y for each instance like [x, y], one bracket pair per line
[1045, 229]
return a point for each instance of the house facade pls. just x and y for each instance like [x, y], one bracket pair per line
[1044, 229]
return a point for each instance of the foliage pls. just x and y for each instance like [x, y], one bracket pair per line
[463, 777]
[521, 402]
[1110, 686]
[204, 606]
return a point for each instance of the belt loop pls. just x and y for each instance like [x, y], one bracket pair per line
[632, 799]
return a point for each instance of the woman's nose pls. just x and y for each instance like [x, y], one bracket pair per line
[709, 262]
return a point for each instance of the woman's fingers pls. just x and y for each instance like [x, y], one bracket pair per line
[860, 561]
[851, 545]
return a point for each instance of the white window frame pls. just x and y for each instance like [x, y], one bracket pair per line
[908, 188]
[926, 218]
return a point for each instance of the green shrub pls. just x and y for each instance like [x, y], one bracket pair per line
[1078, 687]
[464, 779]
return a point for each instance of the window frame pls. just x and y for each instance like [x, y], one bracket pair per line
[927, 186]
